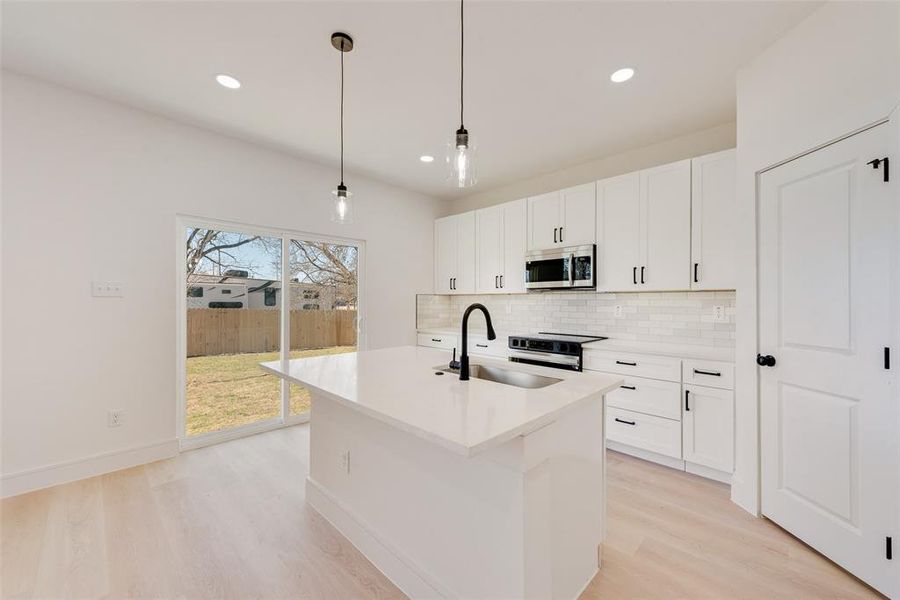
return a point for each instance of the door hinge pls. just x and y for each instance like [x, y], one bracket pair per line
[887, 357]
[888, 550]
[876, 163]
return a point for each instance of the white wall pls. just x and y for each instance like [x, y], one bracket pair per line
[702, 142]
[832, 74]
[90, 192]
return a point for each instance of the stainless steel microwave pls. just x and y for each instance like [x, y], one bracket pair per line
[561, 268]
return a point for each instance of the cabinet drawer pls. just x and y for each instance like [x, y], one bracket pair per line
[655, 434]
[709, 373]
[485, 347]
[639, 365]
[649, 396]
[437, 340]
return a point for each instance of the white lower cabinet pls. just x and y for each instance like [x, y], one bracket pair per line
[660, 413]
[708, 420]
[436, 340]
[656, 434]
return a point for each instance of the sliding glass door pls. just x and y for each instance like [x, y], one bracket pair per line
[324, 283]
[256, 296]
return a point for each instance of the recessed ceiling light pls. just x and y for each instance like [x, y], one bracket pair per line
[622, 75]
[426, 158]
[228, 81]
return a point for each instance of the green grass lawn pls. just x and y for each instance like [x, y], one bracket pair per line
[231, 389]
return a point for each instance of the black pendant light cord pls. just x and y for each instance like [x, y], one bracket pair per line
[462, 65]
[342, 117]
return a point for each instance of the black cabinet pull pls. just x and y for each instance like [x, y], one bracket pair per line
[712, 373]
[627, 387]
[634, 275]
[628, 364]
[501, 281]
[696, 280]
[687, 400]
[560, 234]
[496, 282]
[481, 345]
[642, 274]
[554, 235]
[435, 339]
[618, 420]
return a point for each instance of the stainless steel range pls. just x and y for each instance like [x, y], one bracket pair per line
[558, 350]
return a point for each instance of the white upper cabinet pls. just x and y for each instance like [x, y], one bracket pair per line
[579, 206]
[500, 248]
[712, 221]
[666, 227]
[618, 232]
[562, 218]
[512, 279]
[454, 254]
[644, 230]
[543, 221]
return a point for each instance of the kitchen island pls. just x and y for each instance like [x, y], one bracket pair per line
[459, 489]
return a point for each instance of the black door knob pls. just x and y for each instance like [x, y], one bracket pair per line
[765, 360]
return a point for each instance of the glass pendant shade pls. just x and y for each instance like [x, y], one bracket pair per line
[461, 160]
[342, 211]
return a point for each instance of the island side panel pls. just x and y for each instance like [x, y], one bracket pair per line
[435, 522]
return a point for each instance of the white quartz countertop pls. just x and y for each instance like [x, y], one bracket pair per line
[663, 349]
[689, 351]
[398, 386]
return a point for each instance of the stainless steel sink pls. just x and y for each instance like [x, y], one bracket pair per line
[504, 376]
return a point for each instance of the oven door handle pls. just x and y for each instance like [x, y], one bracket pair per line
[558, 359]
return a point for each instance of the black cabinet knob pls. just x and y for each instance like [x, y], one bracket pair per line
[766, 360]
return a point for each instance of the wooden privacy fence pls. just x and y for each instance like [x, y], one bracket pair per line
[238, 330]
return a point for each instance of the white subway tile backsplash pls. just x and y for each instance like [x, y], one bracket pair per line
[670, 317]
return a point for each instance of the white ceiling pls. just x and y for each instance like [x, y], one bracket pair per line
[538, 95]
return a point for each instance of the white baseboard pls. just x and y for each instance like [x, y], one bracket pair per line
[709, 473]
[661, 459]
[13, 484]
[403, 572]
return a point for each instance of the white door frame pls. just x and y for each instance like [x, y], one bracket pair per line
[755, 452]
[182, 222]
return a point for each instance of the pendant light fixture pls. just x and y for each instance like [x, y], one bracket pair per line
[461, 147]
[343, 203]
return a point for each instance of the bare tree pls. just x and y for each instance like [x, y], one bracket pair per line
[329, 265]
[211, 245]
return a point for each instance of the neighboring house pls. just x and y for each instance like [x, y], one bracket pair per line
[236, 290]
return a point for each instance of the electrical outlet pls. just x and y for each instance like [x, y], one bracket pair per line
[508, 307]
[719, 314]
[107, 289]
[115, 418]
[618, 311]
[345, 462]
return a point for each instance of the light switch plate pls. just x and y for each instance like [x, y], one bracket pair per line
[107, 289]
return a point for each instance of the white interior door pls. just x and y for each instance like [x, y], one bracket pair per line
[829, 413]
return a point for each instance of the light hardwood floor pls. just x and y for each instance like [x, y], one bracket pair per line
[229, 521]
